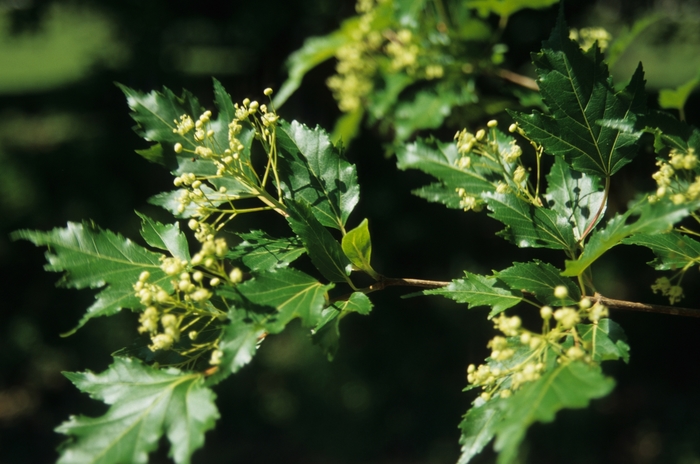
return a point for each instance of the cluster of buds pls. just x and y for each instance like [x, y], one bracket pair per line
[676, 177]
[519, 356]
[469, 202]
[403, 51]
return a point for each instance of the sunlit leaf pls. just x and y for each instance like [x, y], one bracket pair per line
[568, 386]
[146, 404]
[574, 195]
[166, 237]
[540, 279]
[94, 258]
[357, 246]
[290, 292]
[477, 290]
[314, 170]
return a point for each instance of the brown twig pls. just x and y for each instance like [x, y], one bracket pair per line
[647, 308]
[519, 79]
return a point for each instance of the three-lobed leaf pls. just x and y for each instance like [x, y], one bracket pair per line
[146, 403]
[577, 89]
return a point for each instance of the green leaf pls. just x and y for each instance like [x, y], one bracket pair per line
[357, 246]
[479, 427]
[428, 109]
[607, 339]
[477, 290]
[529, 226]
[154, 154]
[312, 169]
[439, 193]
[239, 343]
[676, 98]
[170, 201]
[292, 293]
[570, 385]
[164, 237]
[315, 51]
[440, 160]
[95, 258]
[672, 250]
[540, 279]
[327, 332]
[577, 89]
[574, 195]
[146, 403]
[325, 252]
[506, 7]
[347, 127]
[654, 218]
[259, 251]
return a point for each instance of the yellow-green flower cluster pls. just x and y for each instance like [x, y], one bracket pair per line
[668, 289]
[520, 356]
[485, 151]
[676, 177]
[587, 36]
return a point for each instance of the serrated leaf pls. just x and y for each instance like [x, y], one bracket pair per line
[292, 293]
[607, 339]
[478, 428]
[440, 160]
[672, 250]
[477, 290]
[439, 193]
[239, 343]
[654, 218]
[94, 258]
[577, 89]
[259, 251]
[327, 333]
[574, 195]
[325, 252]
[146, 404]
[529, 226]
[164, 237]
[314, 170]
[357, 246]
[571, 386]
[540, 279]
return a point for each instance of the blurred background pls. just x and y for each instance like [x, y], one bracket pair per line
[394, 392]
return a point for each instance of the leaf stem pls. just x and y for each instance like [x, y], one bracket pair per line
[603, 203]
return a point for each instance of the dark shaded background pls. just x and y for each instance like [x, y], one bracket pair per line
[393, 394]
